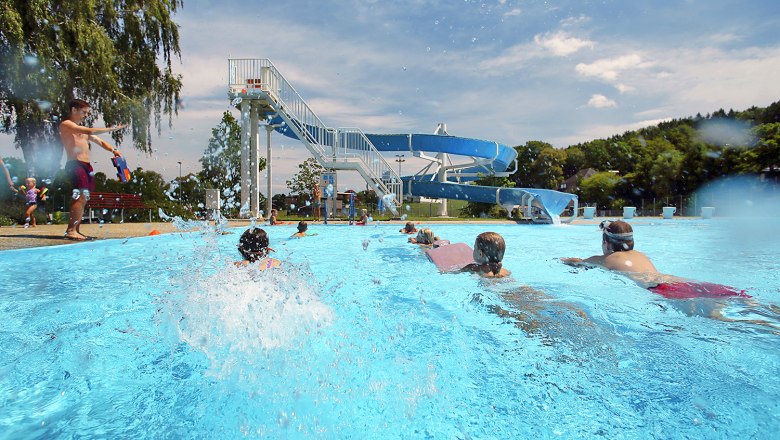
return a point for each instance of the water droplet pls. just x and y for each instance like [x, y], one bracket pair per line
[31, 60]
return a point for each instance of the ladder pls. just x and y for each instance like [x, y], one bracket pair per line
[258, 80]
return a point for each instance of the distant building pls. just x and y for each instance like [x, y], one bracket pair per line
[571, 184]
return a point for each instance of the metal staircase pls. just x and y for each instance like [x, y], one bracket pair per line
[260, 83]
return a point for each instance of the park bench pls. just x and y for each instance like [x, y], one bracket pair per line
[102, 200]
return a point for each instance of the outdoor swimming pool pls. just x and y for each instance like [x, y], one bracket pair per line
[359, 336]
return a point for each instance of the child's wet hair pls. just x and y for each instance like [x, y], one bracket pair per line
[253, 244]
[302, 226]
[425, 236]
[492, 246]
[409, 227]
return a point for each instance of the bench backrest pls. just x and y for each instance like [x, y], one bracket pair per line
[115, 201]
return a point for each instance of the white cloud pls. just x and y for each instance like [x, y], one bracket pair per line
[560, 43]
[513, 13]
[610, 69]
[573, 21]
[601, 101]
[590, 132]
[724, 38]
[622, 88]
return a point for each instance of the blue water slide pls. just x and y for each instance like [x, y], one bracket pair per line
[550, 203]
[499, 158]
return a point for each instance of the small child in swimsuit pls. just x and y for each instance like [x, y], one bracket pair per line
[272, 219]
[489, 248]
[253, 247]
[408, 228]
[31, 194]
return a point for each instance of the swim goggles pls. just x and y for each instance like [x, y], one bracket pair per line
[625, 236]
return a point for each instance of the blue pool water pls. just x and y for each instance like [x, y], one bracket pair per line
[359, 336]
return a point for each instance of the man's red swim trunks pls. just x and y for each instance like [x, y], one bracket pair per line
[81, 174]
[696, 290]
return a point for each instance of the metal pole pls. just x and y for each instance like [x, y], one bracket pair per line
[180, 186]
[269, 129]
[399, 159]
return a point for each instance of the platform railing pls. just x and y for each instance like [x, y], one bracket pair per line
[249, 77]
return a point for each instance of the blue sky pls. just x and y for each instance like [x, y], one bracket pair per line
[510, 71]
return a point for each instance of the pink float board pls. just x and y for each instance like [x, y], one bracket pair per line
[451, 257]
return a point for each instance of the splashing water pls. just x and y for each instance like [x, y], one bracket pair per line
[237, 314]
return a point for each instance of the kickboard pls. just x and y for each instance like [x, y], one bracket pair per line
[121, 168]
[451, 257]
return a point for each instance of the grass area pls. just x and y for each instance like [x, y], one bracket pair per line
[421, 212]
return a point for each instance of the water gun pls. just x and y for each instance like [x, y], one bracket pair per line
[41, 192]
[121, 168]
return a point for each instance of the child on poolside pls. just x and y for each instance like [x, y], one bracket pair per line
[408, 228]
[302, 228]
[31, 194]
[253, 246]
[363, 218]
[272, 219]
[489, 248]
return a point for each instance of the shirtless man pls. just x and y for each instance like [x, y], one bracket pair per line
[76, 138]
[617, 244]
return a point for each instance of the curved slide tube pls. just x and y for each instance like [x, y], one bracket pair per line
[499, 158]
[551, 203]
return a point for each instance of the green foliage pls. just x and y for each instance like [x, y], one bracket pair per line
[302, 183]
[540, 165]
[116, 54]
[600, 188]
[221, 163]
[476, 209]
[674, 157]
[154, 191]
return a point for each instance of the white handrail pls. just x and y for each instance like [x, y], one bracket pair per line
[250, 77]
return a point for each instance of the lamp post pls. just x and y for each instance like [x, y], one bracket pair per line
[399, 158]
[179, 181]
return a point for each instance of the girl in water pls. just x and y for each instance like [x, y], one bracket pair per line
[253, 247]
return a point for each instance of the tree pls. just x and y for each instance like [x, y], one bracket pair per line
[479, 209]
[600, 189]
[221, 163]
[116, 54]
[768, 148]
[302, 183]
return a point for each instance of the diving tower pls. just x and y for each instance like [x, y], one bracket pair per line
[261, 93]
[257, 88]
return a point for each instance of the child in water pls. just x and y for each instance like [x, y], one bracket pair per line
[408, 228]
[302, 228]
[489, 250]
[253, 247]
[425, 237]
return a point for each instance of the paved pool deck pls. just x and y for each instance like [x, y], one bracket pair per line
[19, 237]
